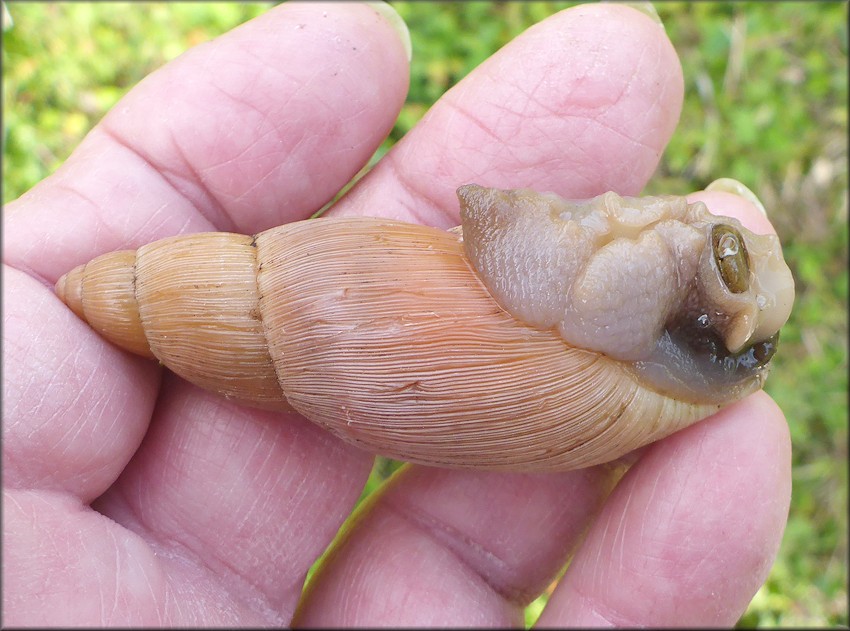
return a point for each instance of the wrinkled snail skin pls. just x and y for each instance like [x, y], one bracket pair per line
[544, 335]
[643, 280]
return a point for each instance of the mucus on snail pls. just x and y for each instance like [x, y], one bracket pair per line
[542, 334]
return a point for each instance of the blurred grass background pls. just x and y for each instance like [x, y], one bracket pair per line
[766, 103]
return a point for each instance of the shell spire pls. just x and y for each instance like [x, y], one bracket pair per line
[192, 302]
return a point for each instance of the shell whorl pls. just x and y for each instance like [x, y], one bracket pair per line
[384, 333]
[189, 301]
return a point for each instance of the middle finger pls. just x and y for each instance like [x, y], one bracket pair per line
[579, 104]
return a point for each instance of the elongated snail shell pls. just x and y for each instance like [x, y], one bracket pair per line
[544, 335]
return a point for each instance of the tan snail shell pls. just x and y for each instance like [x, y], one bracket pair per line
[544, 334]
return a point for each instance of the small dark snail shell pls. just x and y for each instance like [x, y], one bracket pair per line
[730, 255]
[545, 335]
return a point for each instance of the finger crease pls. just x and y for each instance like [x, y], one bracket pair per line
[209, 208]
[463, 548]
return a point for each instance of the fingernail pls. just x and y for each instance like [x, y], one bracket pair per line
[647, 9]
[396, 21]
[8, 22]
[728, 185]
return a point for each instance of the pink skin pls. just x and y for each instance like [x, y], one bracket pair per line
[133, 498]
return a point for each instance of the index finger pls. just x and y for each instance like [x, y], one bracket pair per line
[259, 127]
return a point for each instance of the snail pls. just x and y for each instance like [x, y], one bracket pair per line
[541, 334]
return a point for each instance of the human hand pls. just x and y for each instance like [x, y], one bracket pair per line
[133, 498]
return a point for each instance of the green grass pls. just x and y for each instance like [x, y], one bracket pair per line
[766, 103]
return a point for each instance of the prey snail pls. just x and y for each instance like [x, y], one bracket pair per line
[542, 334]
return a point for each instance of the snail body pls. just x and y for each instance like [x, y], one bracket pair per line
[544, 335]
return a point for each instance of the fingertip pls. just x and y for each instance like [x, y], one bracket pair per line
[767, 427]
[732, 185]
[647, 8]
[691, 532]
[386, 11]
[744, 444]
[730, 204]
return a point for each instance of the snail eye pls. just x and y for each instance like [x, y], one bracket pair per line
[730, 254]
